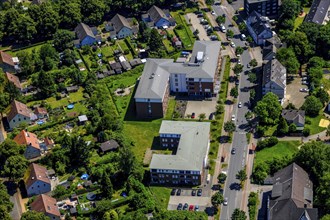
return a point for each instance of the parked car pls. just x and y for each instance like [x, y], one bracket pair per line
[248, 65]
[179, 206]
[223, 28]
[233, 151]
[191, 208]
[225, 201]
[211, 116]
[173, 192]
[304, 82]
[232, 44]
[243, 37]
[217, 28]
[193, 192]
[212, 13]
[233, 118]
[304, 90]
[237, 82]
[196, 208]
[199, 192]
[178, 192]
[193, 115]
[240, 104]
[304, 78]
[185, 207]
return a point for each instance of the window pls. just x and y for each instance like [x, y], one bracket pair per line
[176, 84]
[176, 75]
[19, 119]
[176, 80]
[14, 120]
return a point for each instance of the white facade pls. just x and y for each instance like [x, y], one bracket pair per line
[18, 119]
[178, 83]
[38, 187]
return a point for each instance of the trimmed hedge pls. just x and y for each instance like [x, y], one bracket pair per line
[269, 142]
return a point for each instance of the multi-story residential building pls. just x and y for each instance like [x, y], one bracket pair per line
[269, 8]
[190, 141]
[274, 79]
[319, 12]
[19, 113]
[195, 77]
[259, 28]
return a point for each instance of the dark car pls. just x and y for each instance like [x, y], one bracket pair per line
[233, 151]
[237, 82]
[211, 116]
[173, 192]
[179, 206]
[193, 115]
[199, 192]
[178, 192]
[185, 207]
[216, 28]
[193, 192]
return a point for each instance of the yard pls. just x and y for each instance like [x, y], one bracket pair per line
[299, 20]
[168, 46]
[161, 195]
[29, 49]
[314, 125]
[282, 149]
[183, 31]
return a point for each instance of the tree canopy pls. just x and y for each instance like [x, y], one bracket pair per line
[268, 109]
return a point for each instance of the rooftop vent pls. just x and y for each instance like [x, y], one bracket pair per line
[199, 56]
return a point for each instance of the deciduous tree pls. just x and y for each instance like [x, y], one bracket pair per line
[312, 106]
[217, 199]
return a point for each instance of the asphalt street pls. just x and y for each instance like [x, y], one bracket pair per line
[236, 162]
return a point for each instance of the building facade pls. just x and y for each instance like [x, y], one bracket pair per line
[37, 181]
[269, 8]
[319, 12]
[259, 28]
[19, 113]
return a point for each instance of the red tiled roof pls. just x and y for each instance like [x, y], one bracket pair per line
[40, 110]
[27, 138]
[37, 172]
[18, 108]
[48, 141]
[14, 79]
[6, 58]
[45, 204]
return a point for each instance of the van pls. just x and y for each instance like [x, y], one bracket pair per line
[243, 37]
[208, 178]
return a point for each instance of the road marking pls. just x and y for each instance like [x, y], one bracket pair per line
[242, 132]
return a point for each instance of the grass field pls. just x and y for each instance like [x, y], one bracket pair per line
[282, 149]
[170, 108]
[168, 46]
[161, 195]
[299, 20]
[314, 126]
[184, 33]
[29, 49]
[124, 48]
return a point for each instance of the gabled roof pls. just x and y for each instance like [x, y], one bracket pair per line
[36, 172]
[318, 11]
[274, 71]
[258, 23]
[6, 58]
[156, 14]
[83, 30]
[18, 108]
[45, 204]
[192, 148]
[40, 110]
[296, 116]
[292, 195]
[109, 145]
[270, 48]
[119, 21]
[14, 79]
[27, 138]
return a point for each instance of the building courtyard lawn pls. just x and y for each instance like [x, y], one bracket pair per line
[161, 195]
[281, 149]
[314, 124]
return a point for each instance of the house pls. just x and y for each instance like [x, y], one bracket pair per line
[85, 35]
[49, 143]
[121, 27]
[8, 63]
[292, 195]
[19, 113]
[319, 12]
[274, 79]
[82, 119]
[70, 89]
[195, 78]
[41, 112]
[270, 48]
[190, 141]
[156, 17]
[15, 80]
[135, 62]
[109, 146]
[269, 8]
[296, 117]
[126, 66]
[37, 181]
[31, 142]
[116, 66]
[259, 28]
[47, 205]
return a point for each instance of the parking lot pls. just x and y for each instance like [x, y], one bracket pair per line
[199, 107]
[196, 25]
[293, 93]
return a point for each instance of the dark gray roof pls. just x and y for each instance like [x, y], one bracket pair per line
[115, 66]
[135, 62]
[295, 116]
[256, 1]
[270, 48]
[318, 11]
[156, 13]
[83, 30]
[109, 145]
[292, 195]
[259, 23]
[274, 71]
[119, 21]
[126, 65]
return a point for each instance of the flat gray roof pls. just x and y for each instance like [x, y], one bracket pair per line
[192, 148]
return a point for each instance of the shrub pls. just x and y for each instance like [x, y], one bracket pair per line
[306, 132]
[269, 142]
[308, 121]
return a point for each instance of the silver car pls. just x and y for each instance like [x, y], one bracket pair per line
[225, 201]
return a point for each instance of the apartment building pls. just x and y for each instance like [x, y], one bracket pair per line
[269, 8]
[190, 141]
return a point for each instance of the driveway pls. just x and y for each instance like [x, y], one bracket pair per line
[196, 25]
[293, 95]
[199, 107]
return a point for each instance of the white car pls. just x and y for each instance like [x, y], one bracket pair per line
[248, 65]
[304, 90]
[240, 104]
[233, 118]
[232, 44]
[225, 201]
[223, 28]
[304, 78]
[212, 13]
[304, 82]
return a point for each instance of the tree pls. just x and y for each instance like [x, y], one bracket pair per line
[239, 50]
[127, 160]
[292, 128]
[238, 215]
[253, 63]
[289, 9]
[260, 172]
[287, 58]
[202, 116]
[220, 20]
[93, 11]
[316, 62]
[33, 215]
[322, 95]
[230, 34]
[111, 215]
[63, 39]
[238, 68]
[155, 41]
[229, 126]
[45, 83]
[222, 178]
[79, 151]
[217, 199]
[15, 167]
[242, 27]
[234, 92]
[70, 14]
[106, 186]
[252, 77]
[12, 90]
[312, 106]
[249, 115]
[328, 131]
[5, 204]
[301, 47]
[282, 127]
[268, 109]
[315, 74]
[241, 175]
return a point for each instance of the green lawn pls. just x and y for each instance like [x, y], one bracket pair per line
[168, 46]
[184, 33]
[124, 48]
[170, 108]
[142, 133]
[29, 49]
[299, 20]
[107, 51]
[73, 97]
[282, 149]
[161, 195]
[314, 126]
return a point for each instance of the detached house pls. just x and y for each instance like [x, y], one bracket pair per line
[196, 77]
[31, 142]
[8, 63]
[46, 205]
[19, 113]
[292, 195]
[259, 28]
[156, 17]
[15, 80]
[37, 181]
[85, 35]
[296, 117]
[319, 12]
[121, 27]
[274, 79]
[186, 167]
